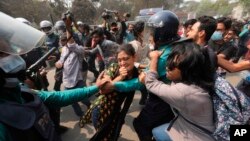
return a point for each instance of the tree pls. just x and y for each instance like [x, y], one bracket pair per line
[210, 8]
[83, 10]
[33, 10]
[246, 5]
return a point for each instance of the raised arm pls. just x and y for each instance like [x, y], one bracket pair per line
[233, 67]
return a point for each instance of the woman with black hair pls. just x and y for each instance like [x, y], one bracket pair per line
[189, 94]
[108, 112]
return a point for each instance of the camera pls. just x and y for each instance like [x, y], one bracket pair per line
[127, 15]
[67, 15]
[107, 14]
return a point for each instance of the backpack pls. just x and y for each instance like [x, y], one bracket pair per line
[231, 107]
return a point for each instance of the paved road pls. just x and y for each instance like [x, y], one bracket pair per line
[70, 120]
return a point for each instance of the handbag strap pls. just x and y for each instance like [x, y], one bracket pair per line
[199, 127]
[65, 58]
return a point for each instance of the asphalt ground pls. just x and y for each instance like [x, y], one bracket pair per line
[71, 121]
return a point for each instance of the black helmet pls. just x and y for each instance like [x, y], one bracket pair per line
[164, 26]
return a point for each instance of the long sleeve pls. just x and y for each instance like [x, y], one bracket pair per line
[76, 48]
[162, 63]
[63, 54]
[169, 93]
[121, 33]
[66, 97]
[127, 86]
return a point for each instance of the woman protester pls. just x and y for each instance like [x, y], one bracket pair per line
[108, 111]
[189, 94]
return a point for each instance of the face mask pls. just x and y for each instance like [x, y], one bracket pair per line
[60, 32]
[12, 64]
[217, 35]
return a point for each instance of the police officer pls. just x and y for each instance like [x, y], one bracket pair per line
[163, 26]
[24, 117]
[60, 27]
[52, 40]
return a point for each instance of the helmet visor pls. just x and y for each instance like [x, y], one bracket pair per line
[18, 38]
[148, 36]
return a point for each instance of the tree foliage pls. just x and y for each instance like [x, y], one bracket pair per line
[84, 10]
[210, 8]
[33, 10]
[89, 11]
[246, 4]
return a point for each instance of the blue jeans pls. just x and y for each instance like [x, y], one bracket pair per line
[77, 109]
[95, 116]
[160, 134]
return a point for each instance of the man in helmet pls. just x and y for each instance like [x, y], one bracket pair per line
[23, 114]
[60, 27]
[52, 40]
[163, 26]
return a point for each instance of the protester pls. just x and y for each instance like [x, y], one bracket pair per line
[70, 62]
[201, 33]
[103, 49]
[187, 26]
[129, 36]
[189, 94]
[153, 115]
[108, 111]
[118, 32]
[244, 84]
[219, 45]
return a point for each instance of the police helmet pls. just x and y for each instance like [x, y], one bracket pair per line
[60, 25]
[79, 23]
[46, 26]
[164, 26]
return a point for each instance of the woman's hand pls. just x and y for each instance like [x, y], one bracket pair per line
[155, 54]
[123, 72]
[102, 80]
[142, 77]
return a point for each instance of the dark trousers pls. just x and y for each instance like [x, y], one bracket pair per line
[55, 112]
[144, 96]
[91, 65]
[101, 66]
[156, 112]
[77, 109]
[58, 83]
